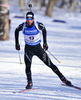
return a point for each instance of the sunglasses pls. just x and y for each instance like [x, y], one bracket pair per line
[29, 18]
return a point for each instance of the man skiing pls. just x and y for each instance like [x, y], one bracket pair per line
[33, 47]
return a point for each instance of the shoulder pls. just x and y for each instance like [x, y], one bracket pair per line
[20, 27]
[40, 25]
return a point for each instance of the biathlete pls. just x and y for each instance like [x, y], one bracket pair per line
[33, 47]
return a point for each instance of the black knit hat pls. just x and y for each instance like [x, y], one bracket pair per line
[30, 14]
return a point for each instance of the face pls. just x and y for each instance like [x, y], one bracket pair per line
[29, 20]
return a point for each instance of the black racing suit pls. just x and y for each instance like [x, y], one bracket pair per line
[37, 50]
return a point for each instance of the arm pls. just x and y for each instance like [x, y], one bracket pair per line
[44, 33]
[19, 28]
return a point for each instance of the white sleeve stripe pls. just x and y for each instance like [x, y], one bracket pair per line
[42, 28]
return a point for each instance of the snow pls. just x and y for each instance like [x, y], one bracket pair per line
[64, 40]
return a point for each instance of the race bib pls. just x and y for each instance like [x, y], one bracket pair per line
[32, 39]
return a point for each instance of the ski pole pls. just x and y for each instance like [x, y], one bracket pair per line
[19, 57]
[54, 56]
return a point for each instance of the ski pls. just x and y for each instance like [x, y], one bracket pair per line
[25, 90]
[73, 86]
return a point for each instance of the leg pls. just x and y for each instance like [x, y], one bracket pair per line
[28, 68]
[28, 60]
[45, 58]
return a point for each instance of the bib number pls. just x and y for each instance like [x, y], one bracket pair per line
[31, 38]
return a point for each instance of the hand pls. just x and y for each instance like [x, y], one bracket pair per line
[17, 46]
[45, 46]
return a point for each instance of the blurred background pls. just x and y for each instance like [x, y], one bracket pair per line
[47, 7]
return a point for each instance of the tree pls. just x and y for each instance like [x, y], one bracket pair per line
[73, 5]
[50, 6]
[4, 20]
[42, 4]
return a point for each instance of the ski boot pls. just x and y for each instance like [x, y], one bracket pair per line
[64, 80]
[29, 85]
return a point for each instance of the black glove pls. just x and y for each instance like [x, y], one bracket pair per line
[45, 46]
[17, 46]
